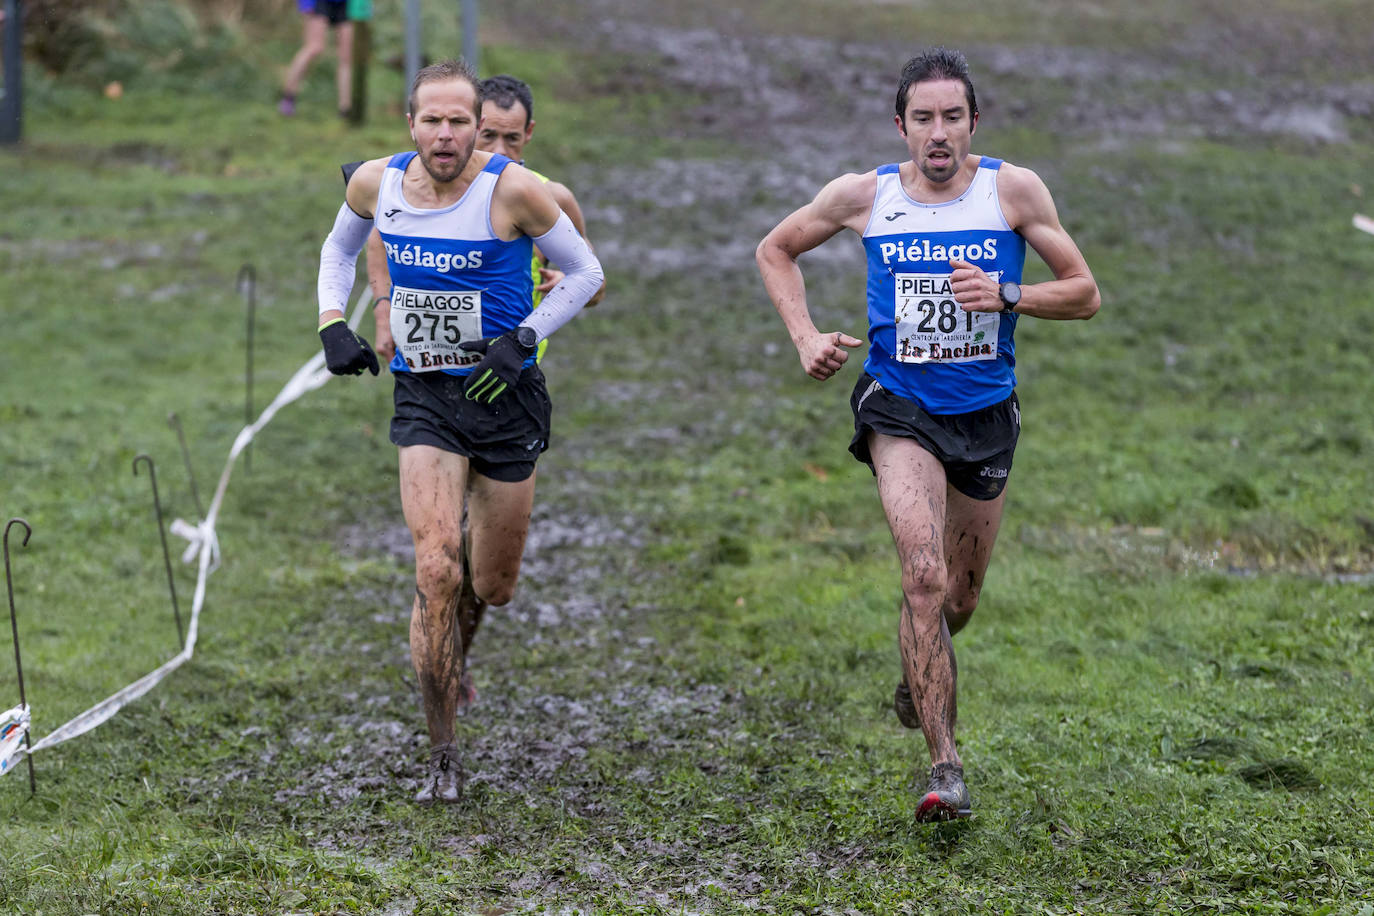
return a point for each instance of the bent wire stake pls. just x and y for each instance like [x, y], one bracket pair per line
[203, 544]
[166, 557]
[248, 285]
[175, 422]
[14, 629]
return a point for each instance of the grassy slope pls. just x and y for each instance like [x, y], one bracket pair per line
[1117, 685]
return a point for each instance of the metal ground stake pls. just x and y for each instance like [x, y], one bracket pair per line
[14, 629]
[166, 557]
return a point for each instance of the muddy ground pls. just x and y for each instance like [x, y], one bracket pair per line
[790, 113]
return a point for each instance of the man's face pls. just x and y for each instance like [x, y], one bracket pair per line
[938, 127]
[504, 130]
[444, 127]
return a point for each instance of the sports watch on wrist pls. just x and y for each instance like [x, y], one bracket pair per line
[526, 337]
[1011, 295]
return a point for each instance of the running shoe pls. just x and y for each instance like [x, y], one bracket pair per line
[904, 706]
[287, 106]
[444, 780]
[946, 796]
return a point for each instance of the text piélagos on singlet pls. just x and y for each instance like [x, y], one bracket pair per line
[922, 250]
[412, 255]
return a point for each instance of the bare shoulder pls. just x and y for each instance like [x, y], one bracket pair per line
[561, 193]
[1024, 196]
[524, 199]
[370, 172]
[516, 180]
[563, 196]
[849, 194]
[363, 185]
[844, 203]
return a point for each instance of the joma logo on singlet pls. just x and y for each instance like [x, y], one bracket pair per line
[443, 261]
[922, 250]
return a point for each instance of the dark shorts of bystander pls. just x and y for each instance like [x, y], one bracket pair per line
[502, 441]
[976, 448]
[336, 11]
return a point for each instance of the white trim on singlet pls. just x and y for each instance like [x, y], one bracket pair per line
[978, 208]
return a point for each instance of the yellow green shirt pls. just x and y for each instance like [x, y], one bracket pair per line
[535, 264]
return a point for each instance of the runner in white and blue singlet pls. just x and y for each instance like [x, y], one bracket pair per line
[924, 347]
[472, 412]
[507, 126]
[935, 411]
[452, 278]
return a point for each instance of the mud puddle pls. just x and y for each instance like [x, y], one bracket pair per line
[779, 103]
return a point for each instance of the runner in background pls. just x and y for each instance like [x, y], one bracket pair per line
[318, 17]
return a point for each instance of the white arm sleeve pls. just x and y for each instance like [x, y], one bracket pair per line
[563, 246]
[339, 259]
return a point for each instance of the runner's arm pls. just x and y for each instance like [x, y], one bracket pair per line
[582, 277]
[339, 262]
[552, 276]
[839, 205]
[1073, 292]
[339, 254]
[533, 211]
[379, 282]
[568, 204]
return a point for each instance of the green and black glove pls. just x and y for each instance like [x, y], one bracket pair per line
[345, 353]
[502, 360]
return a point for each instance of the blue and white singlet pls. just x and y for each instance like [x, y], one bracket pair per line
[452, 278]
[922, 345]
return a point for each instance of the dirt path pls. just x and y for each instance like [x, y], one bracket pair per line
[790, 113]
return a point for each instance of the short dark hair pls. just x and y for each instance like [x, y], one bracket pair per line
[505, 90]
[446, 70]
[935, 64]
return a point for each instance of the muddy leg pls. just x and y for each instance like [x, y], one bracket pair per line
[971, 527]
[432, 483]
[912, 487]
[470, 612]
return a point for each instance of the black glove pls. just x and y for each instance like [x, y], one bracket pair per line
[503, 358]
[345, 353]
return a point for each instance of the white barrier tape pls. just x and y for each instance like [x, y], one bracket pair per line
[14, 725]
[102, 711]
[198, 535]
[205, 543]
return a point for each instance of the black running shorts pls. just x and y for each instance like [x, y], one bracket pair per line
[501, 440]
[336, 11]
[976, 448]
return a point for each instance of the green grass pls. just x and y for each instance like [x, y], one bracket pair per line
[1165, 691]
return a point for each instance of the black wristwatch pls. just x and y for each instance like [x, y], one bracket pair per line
[527, 338]
[1011, 295]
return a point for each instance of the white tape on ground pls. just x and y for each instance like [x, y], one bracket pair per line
[14, 724]
[205, 544]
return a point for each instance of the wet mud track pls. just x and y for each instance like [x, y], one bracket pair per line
[605, 685]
